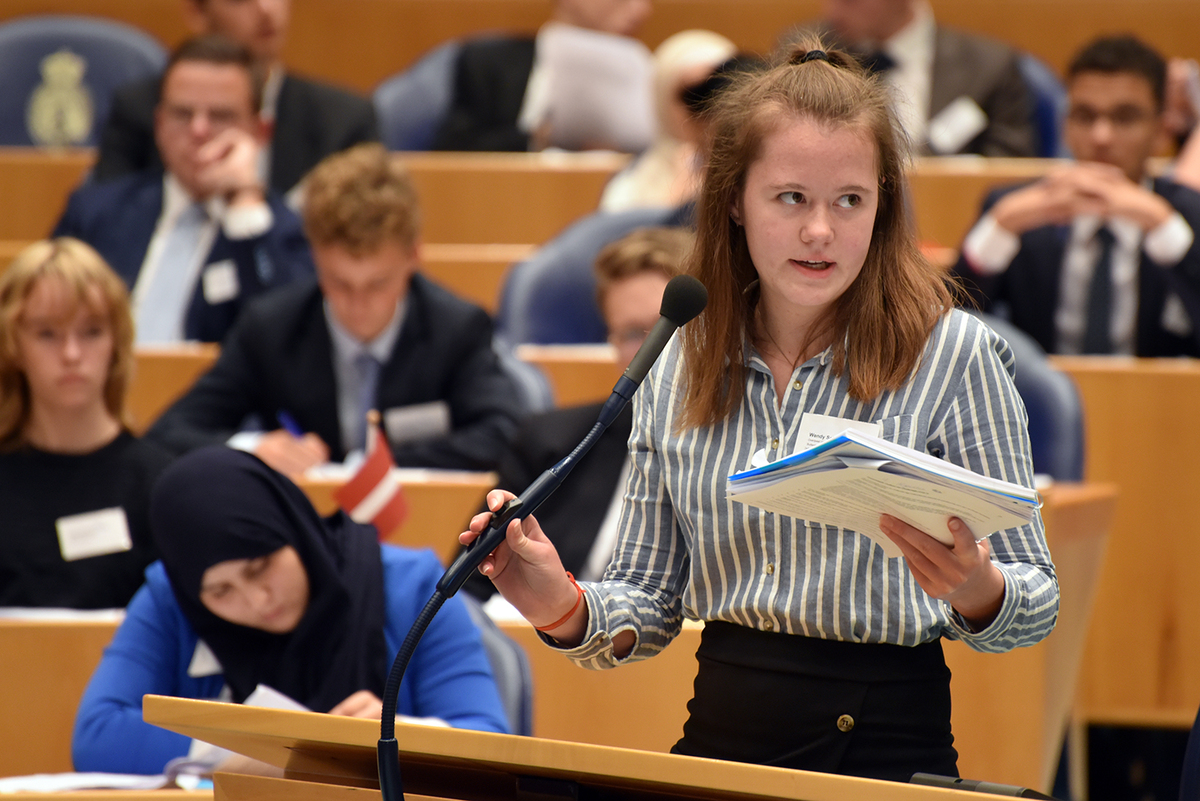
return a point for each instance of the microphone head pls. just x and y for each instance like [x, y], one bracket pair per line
[683, 299]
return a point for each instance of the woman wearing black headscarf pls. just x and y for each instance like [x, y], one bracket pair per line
[255, 588]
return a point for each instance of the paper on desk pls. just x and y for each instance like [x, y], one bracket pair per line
[851, 480]
[598, 91]
[64, 782]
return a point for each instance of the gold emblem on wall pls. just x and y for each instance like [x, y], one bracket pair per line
[60, 109]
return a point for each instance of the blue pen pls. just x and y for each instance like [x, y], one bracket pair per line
[289, 424]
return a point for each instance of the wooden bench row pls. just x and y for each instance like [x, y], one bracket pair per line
[520, 200]
[360, 43]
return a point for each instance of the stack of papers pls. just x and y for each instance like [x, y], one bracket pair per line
[850, 480]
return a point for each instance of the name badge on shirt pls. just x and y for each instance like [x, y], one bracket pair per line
[416, 422]
[817, 428]
[90, 534]
[956, 125]
[220, 282]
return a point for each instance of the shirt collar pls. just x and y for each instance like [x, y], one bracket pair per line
[270, 94]
[176, 198]
[348, 348]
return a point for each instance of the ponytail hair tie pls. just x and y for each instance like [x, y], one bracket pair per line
[814, 55]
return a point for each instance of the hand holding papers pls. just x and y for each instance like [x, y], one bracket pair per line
[850, 480]
[597, 91]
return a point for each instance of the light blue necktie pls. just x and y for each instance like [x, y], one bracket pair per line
[162, 307]
[368, 381]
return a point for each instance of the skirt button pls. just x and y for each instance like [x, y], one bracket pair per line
[845, 723]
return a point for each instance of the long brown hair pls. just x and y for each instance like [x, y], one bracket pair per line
[83, 272]
[880, 324]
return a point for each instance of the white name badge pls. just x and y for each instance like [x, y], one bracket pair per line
[90, 534]
[956, 125]
[817, 428]
[416, 422]
[220, 282]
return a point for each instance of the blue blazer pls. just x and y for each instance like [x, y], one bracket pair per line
[1030, 285]
[117, 218]
[449, 676]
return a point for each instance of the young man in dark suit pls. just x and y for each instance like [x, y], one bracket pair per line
[195, 239]
[631, 275]
[309, 361]
[1097, 257]
[308, 119]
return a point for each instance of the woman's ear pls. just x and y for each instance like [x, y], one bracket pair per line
[735, 212]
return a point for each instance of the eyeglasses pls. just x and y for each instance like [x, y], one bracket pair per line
[1120, 117]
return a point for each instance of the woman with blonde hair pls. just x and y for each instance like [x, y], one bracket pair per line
[819, 652]
[74, 483]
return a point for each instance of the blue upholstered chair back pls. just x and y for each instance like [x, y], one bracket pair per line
[59, 72]
[510, 665]
[1052, 401]
[1049, 98]
[550, 298]
[411, 104]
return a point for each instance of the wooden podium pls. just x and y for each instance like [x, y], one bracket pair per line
[327, 758]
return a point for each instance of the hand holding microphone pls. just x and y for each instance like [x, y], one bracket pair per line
[540, 573]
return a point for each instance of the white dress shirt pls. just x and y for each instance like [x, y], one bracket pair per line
[912, 50]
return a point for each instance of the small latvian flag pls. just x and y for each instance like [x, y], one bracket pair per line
[374, 494]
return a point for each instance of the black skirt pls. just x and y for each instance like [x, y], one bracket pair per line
[877, 711]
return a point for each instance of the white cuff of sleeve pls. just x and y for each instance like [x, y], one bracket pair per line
[1167, 244]
[245, 441]
[247, 222]
[988, 248]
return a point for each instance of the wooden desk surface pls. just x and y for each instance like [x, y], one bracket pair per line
[462, 764]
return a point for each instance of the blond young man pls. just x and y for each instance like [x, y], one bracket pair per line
[372, 332]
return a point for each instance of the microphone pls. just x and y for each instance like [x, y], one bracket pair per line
[683, 299]
[975, 785]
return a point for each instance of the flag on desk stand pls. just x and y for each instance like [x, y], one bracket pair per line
[374, 494]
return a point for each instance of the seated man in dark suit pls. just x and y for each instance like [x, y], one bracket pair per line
[491, 108]
[631, 275]
[308, 119]
[195, 240]
[1097, 257]
[371, 333]
[958, 92]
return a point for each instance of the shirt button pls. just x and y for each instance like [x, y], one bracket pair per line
[768, 626]
[845, 723]
[797, 385]
[774, 443]
[770, 569]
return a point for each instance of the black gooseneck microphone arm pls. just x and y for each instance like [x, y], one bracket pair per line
[683, 299]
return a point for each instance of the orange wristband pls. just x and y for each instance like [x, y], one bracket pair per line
[567, 616]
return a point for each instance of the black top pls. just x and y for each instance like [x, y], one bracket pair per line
[37, 488]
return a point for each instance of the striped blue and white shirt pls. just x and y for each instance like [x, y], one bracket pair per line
[685, 550]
